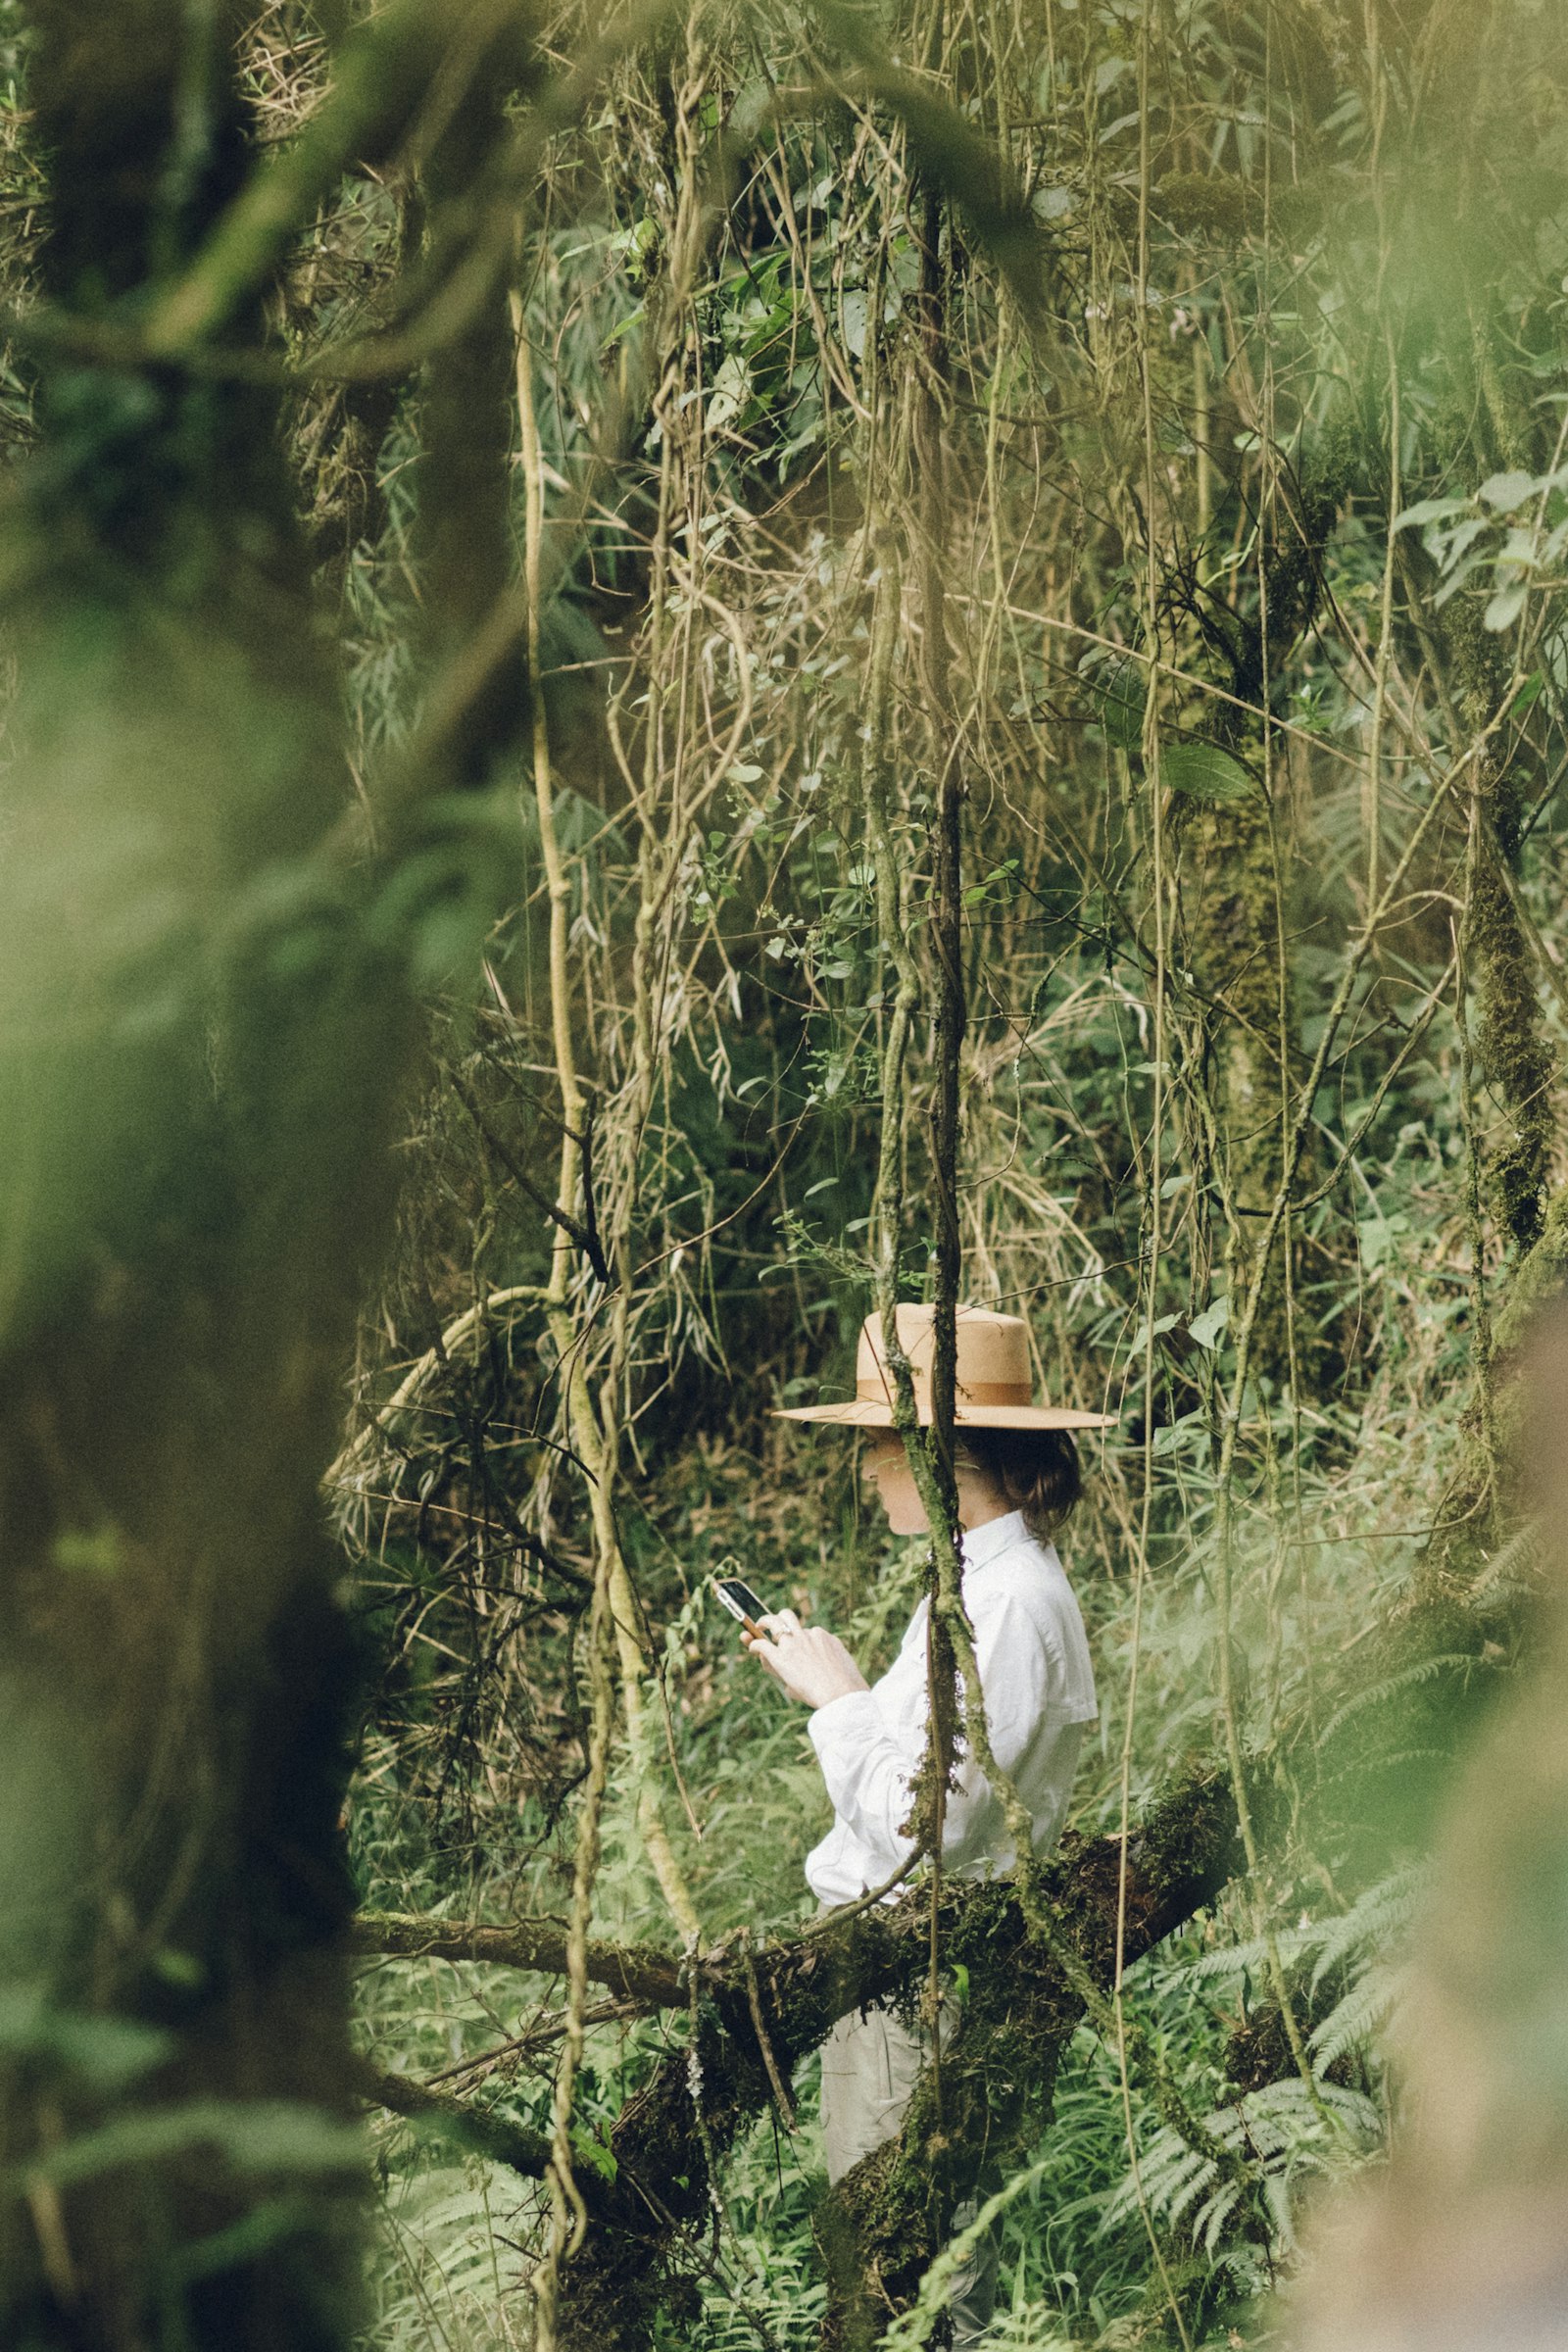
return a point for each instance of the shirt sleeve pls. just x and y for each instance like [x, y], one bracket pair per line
[870, 1766]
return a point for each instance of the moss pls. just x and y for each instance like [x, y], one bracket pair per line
[894, 2210]
[1517, 1064]
[1230, 915]
[891, 2216]
[1539, 1281]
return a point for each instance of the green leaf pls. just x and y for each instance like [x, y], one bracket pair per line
[256, 2136]
[1176, 1434]
[593, 2154]
[1449, 546]
[88, 1551]
[1206, 1327]
[1505, 608]
[107, 2052]
[182, 1968]
[1505, 491]
[1203, 773]
[1428, 510]
[266, 2225]
[1119, 689]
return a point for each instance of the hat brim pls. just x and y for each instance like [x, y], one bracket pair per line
[861, 1413]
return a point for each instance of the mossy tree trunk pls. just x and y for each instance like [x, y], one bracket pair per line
[467, 530]
[1517, 1063]
[1235, 889]
[1230, 902]
[199, 1053]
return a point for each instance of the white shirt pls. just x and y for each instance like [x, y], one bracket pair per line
[1039, 1689]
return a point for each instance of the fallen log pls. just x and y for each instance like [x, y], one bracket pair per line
[471, 2126]
[700, 2100]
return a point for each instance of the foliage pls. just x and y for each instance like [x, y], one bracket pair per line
[1097, 412]
[1201, 720]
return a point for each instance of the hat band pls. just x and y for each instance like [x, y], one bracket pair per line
[969, 1392]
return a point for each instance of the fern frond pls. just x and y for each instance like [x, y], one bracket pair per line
[1290, 2133]
[1354, 2020]
[1379, 1913]
[1377, 1694]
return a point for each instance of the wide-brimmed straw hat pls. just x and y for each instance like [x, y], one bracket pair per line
[994, 1389]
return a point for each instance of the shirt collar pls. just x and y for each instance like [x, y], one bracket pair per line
[982, 1545]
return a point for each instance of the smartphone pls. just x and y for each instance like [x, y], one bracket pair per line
[741, 1601]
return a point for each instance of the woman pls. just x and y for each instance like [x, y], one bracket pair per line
[1018, 1478]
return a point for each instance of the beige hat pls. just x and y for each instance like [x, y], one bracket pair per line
[992, 1377]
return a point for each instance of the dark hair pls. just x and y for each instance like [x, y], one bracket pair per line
[1037, 1470]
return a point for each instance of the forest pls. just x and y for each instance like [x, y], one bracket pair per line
[675, 675]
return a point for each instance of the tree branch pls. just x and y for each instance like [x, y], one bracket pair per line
[353, 1455]
[539, 1946]
[526, 2152]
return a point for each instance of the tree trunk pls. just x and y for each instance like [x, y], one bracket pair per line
[198, 1059]
[1235, 897]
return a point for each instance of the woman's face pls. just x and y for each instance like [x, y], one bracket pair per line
[886, 1468]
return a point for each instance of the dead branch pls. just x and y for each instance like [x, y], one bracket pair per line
[782, 2003]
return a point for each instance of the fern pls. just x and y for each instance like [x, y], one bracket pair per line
[1234, 1960]
[448, 2244]
[1408, 1678]
[1379, 1914]
[1289, 2133]
[1354, 2021]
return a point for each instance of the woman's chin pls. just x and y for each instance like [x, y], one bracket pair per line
[903, 1516]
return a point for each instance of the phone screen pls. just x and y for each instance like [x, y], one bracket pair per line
[739, 1598]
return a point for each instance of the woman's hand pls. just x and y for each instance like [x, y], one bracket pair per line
[812, 1664]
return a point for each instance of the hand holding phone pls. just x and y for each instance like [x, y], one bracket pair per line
[812, 1665]
[743, 1604]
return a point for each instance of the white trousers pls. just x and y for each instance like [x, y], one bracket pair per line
[870, 2068]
